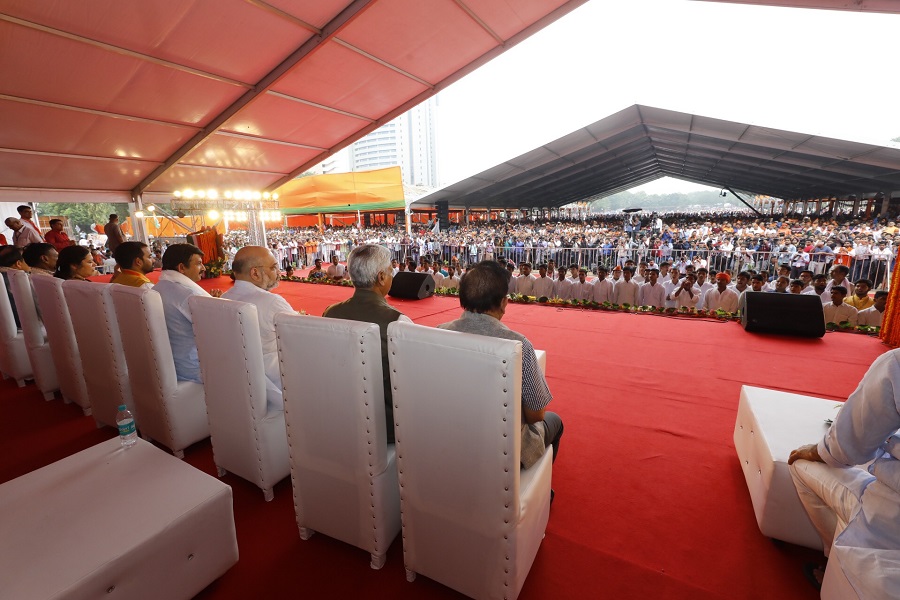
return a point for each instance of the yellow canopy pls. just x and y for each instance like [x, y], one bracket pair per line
[381, 189]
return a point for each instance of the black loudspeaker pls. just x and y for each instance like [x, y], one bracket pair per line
[789, 314]
[443, 213]
[412, 286]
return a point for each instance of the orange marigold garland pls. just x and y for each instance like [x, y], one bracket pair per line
[890, 326]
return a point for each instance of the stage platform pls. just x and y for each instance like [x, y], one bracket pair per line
[650, 498]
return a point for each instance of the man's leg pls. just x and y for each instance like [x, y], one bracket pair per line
[829, 495]
[553, 430]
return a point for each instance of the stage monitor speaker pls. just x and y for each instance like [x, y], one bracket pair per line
[411, 285]
[443, 213]
[788, 314]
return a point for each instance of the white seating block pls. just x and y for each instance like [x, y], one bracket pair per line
[769, 425]
[137, 523]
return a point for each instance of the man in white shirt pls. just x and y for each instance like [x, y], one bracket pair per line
[703, 281]
[513, 286]
[838, 277]
[626, 291]
[873, 315]
[616, 274]
[22, 234]
[721, 297]
[336, 271]
[820, 282]
[652, 293]
[451, 281]
[582, 289]
[837, 311]
[525, 283]
[256, 274]
[603, 288]
[671, 285]
[687, 295]
[543, 283]
[562, 287]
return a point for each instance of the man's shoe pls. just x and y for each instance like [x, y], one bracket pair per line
[552, 494]
[814, 574]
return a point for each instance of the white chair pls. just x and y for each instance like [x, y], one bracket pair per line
[13, 351]
[39, 354]
[343, 471]
[61, 337]
[172, 412]
[97, 333]
[247, 440]
[472, 519]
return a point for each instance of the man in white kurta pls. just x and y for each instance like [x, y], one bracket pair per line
[873, 315]
[603, 289]
[720, 297]
[837, 311]
[256, 273]
[525, 280]
[543, 283]
[562, 287]
[687, 295]
[855, 508]
[582, 289]
[653, 293]
[626, 291]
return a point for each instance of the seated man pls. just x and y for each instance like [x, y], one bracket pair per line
[182, 269]
[859, 299]
[336, 271]
[849, 505]
[721, 297]
[41, 258]
[255, 276]
[836, 311]
[482, 294]
[134, 261]
[11, 260]
[317, 272]
[873, 315]
[372, 276]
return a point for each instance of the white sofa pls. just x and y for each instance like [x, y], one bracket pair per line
[39, 354]
[97, 334]
[61, 337]
[14, 356]
[172, 412]
[472, 519]
[247, 439]
[344, 474]
[110, 522]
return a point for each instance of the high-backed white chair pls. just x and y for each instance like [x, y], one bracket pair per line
[97, 333]
[13, 352]
[343, 471]
[172, 412]
[61, 337]
[247, 439]
[36, 345]
[472, 519]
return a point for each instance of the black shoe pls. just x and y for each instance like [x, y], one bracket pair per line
[552, 494]
[814, 574]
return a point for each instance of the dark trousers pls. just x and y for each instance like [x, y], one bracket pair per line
[553, 430]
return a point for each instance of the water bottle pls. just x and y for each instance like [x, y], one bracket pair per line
[127, 431]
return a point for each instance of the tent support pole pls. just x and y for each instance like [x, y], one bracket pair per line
[744, 201]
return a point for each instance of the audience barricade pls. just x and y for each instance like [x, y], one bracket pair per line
[343, 471]
[13, 344]
[172, 412]
[246, 439]
[61, 338]
[100, 344]
[472, 519]
[38, 349]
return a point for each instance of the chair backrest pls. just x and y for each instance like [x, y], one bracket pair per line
[234, 379]
[61, 337]
[97, 333]
[8, 329]
[457, 429]
[20, 286]
[145, 342]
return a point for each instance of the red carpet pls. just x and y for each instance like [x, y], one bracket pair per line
[650, 499]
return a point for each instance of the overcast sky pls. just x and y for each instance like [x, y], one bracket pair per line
[829, 73]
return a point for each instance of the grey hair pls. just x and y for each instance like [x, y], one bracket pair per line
[366, 262]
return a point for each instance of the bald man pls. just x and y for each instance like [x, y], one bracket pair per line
[22, 233]
[256, 273]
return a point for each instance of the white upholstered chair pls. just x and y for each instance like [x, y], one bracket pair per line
[13, 352]
[247, 439]
[97, 333]
[472, 519]
[39, 354]
[343, 471]
[61, 337]
[172, 412]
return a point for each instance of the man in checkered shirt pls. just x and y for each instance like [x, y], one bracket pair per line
[482, 294]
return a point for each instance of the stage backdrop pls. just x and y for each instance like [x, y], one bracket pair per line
[381, 189]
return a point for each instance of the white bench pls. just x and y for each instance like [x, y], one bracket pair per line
[769, 425]
[114, 523]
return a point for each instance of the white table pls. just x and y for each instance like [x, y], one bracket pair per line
[769, 425]
[116, 523]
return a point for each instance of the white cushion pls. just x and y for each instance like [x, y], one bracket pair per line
[15, 358]
[343, 471]
[769, 425]
[97, 334]
[111, 522]
[472, 519]
[245, 439]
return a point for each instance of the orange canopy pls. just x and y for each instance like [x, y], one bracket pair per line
[381, 189]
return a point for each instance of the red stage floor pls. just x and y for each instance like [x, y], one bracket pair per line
[650, 498]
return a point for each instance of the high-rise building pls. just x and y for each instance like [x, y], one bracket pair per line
[408, 141]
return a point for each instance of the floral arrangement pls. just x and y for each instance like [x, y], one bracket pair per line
[214, 268]
[848, 327]
[317, 280]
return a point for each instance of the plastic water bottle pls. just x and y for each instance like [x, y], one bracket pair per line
[127, 430]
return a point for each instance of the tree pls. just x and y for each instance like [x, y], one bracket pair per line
[83, 215]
